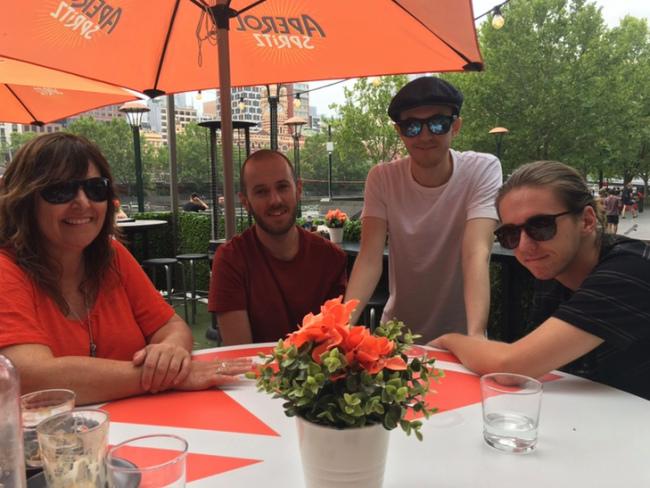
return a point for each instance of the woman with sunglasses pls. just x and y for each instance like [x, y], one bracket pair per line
[76, 309]
[594, 298]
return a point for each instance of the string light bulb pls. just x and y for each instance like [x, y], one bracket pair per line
[199, 96]
[242, 104]
[497, 19]
[376, 81]
[296, 101]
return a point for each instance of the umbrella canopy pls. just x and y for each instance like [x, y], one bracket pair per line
[30, 94]
[182, 45]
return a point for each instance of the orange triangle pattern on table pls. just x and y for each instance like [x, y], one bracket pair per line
[217, 411]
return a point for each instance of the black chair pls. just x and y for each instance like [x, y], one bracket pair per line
[213, 333]
[167, 264]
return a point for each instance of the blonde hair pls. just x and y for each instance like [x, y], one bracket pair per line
[568, 185]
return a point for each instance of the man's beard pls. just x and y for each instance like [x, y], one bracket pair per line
[259, 221]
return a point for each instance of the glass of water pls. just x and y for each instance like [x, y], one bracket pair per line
[151, 461]
[511, 405]
[36, 407]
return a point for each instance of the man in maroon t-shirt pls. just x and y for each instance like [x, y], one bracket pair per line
[265, 280]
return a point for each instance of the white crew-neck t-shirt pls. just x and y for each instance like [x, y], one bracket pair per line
[425, 234]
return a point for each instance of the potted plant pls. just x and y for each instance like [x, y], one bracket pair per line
[335, 221]
[347, 386]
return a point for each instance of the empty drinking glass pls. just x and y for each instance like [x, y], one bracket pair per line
[151, 461]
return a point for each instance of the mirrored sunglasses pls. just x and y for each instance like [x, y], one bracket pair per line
[96, 189]
[539, 228]
[438, 125]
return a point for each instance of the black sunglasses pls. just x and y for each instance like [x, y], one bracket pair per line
[537, 227]
[438, 124]
[96, 189]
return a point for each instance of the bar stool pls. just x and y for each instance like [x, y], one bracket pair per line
[167, 264]
[194, 294]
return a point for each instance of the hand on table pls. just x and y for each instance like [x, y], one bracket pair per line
[206, 374]
[164, 366]
[438, 342]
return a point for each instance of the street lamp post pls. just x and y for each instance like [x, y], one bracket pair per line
[273, 92]
[499, 132]
[330, 149]
[295, 125]
[134, 112]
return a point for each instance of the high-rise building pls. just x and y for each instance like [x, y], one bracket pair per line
[245, 105]
[157, 116]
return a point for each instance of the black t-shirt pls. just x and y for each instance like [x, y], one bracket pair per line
[627, 196]
[192, 207]
[612, 303]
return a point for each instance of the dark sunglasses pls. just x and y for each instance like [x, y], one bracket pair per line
[96, 189]
[438, 124]
[538, 227]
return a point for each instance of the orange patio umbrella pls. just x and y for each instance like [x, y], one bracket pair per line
[168, 46]
[30, 94]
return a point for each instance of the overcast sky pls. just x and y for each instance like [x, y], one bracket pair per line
[612, 10]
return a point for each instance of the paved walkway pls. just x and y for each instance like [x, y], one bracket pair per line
[638, 228]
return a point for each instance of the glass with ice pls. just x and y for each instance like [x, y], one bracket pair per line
[73, 447]
[511, 405]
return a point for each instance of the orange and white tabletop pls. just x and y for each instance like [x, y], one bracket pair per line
[589, 435]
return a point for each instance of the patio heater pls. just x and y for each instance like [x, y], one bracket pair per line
[273, 92]
[134, 112]
[499, 132]
[213, 126]
[295, 125]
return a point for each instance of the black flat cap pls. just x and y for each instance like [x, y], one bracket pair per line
[427, 90]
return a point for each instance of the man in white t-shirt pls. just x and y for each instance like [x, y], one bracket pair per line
[437, 208]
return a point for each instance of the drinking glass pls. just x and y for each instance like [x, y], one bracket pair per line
[151, 461]
[36, 407]
[73, 447]
[12, 460]
[511, 405]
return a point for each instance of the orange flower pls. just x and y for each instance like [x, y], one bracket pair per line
[335, 218]
[326, 330]
[370, 352]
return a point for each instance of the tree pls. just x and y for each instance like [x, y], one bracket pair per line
[115, 141]
[629, 98]
[363, 133]
[545, 80]
[193, 149]
[18, 139]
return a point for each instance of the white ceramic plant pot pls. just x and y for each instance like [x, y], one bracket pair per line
[338, 458]
[336, 234]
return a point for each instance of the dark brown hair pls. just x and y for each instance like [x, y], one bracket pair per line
[43, 161]
[263, 154]
[567, 184]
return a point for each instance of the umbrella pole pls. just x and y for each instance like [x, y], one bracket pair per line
[222, 13]
[173, 167]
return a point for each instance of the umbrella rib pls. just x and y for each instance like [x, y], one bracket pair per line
[34, 119]
[408, 12]
[165, 45]
[254, 4]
